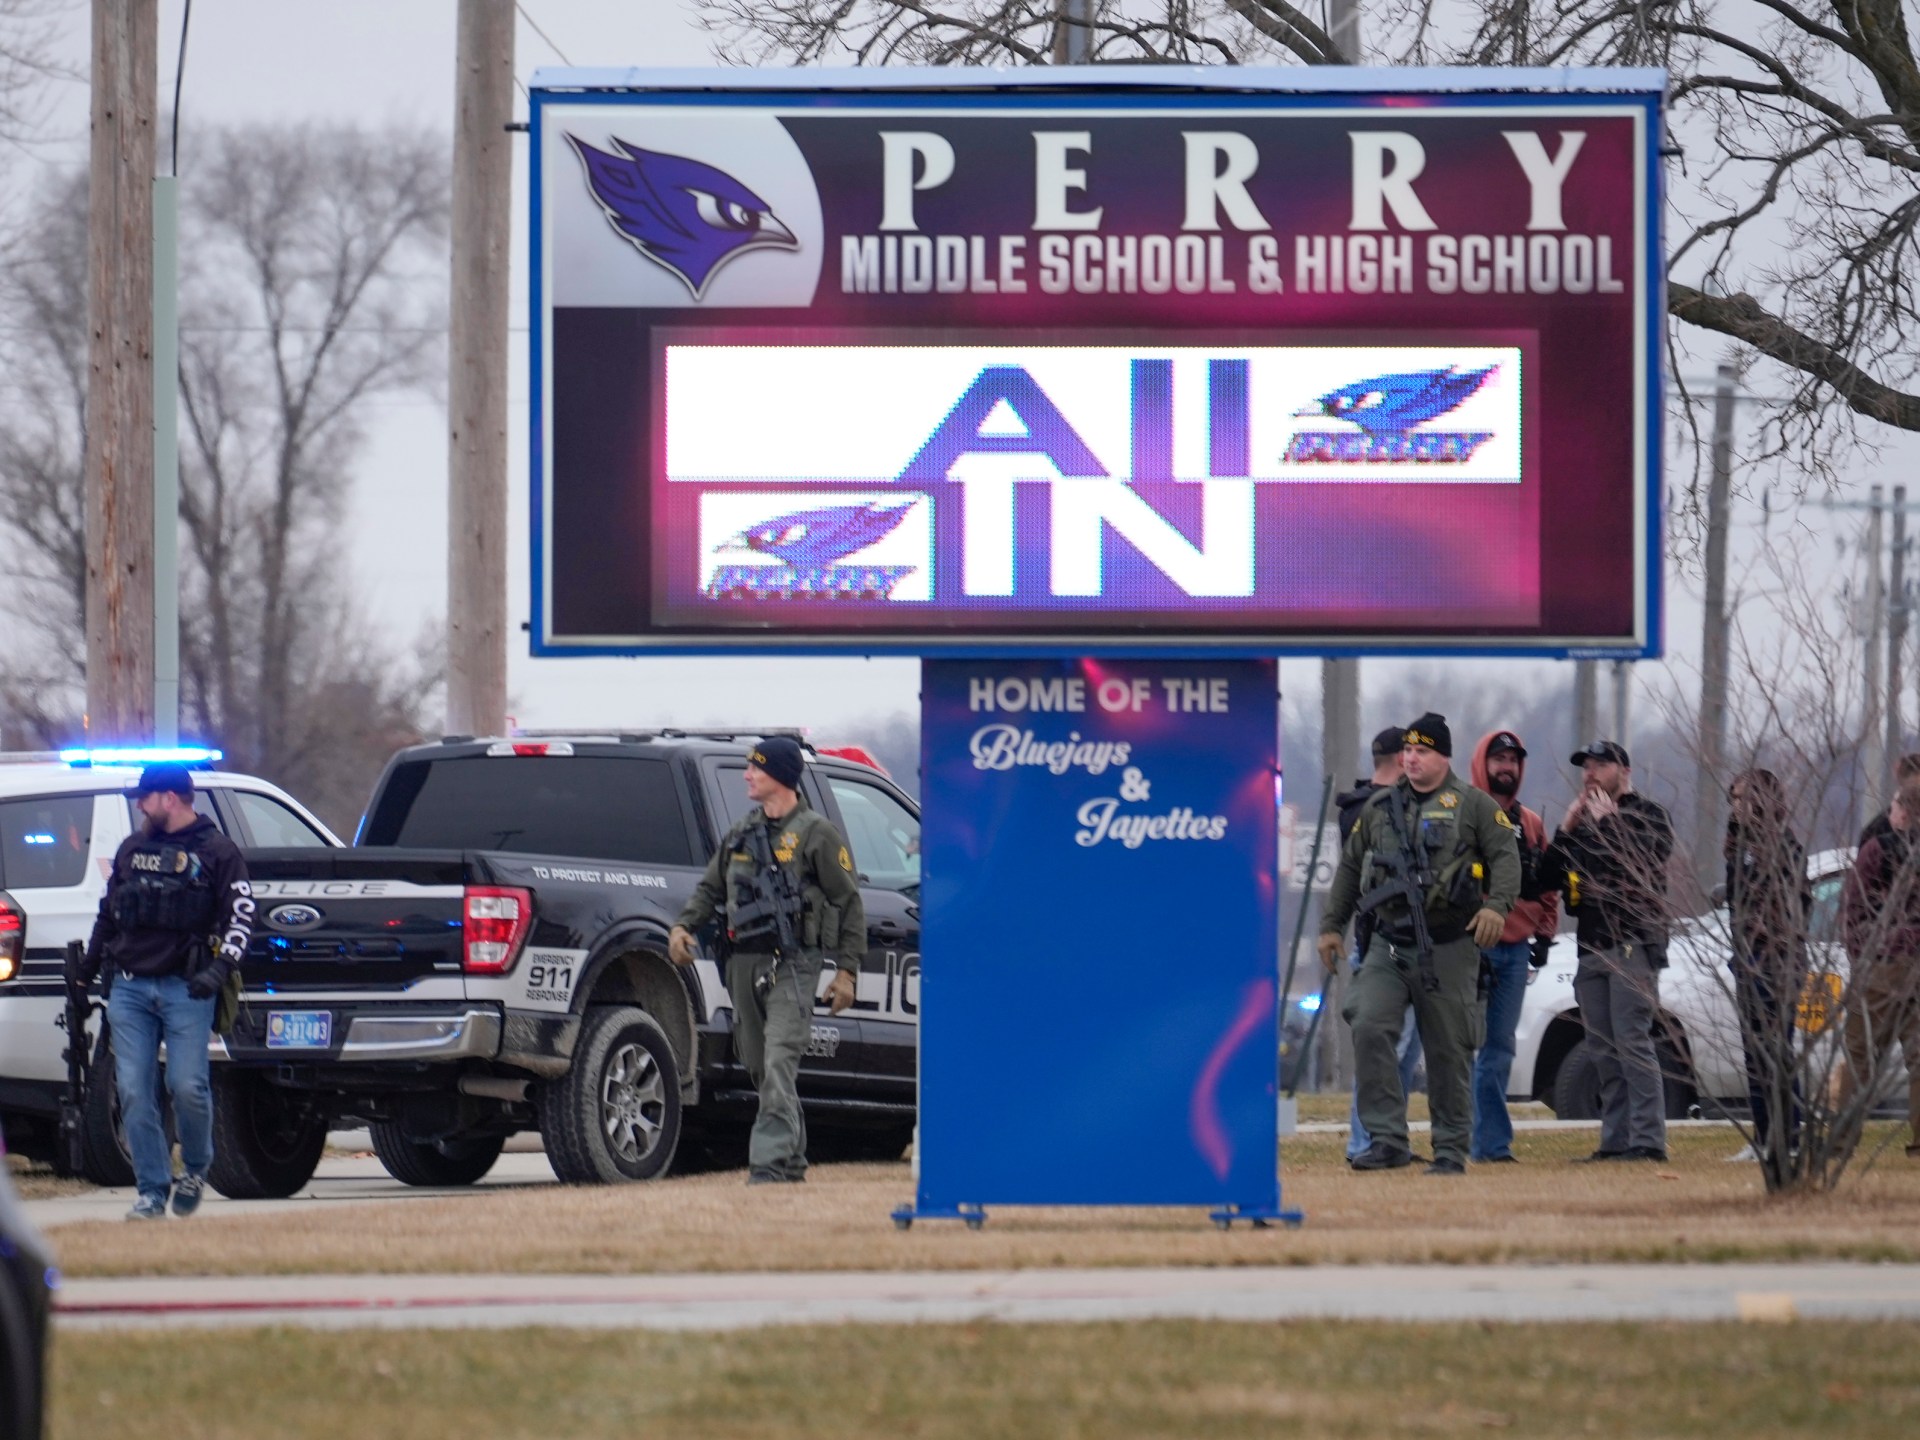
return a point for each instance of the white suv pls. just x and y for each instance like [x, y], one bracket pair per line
[62, 817]
[1701, 1054]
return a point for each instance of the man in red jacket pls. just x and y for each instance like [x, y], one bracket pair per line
[1881, 925]
[1499, 765]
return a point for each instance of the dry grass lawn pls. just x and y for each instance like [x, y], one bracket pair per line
[1696, 1208]
[1159, 1379]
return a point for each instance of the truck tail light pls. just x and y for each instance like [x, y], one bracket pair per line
[493, 927]
[13, 935]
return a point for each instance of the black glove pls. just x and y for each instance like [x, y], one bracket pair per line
[206, 982]
[1542, 948]
[80, 968]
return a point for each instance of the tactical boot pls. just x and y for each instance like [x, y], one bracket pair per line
[1378, 1156]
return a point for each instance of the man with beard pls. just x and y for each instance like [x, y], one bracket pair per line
[1499, 764]
[1434, 860]
[1609, 858]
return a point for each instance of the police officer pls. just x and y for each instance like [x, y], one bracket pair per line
[1453, 846]
[784, 857]
[173, 925]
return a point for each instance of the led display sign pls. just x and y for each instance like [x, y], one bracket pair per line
[916, 362]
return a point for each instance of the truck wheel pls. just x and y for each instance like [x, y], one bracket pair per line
[1576, 1086]
[105, 1159]
[266, 1139]
[437, 1164]
[615, 1116]
[1676, 1078]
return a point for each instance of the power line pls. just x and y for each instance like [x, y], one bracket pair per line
[534, 25]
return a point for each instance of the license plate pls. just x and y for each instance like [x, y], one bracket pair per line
[299, 1029]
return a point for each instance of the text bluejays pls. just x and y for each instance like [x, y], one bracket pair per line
[1068, 253]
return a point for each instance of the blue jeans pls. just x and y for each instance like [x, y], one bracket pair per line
[143, 1012]
[1492, 1126]
[1409, 1051]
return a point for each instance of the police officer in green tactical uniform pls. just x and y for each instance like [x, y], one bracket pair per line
[785, 883]
[1434, 835]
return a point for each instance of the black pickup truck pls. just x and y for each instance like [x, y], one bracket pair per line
[490, 957]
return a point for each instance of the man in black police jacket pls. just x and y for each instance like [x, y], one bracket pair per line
[1610, 859]
[173, 924]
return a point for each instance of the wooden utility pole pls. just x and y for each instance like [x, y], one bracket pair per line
[119, 437]
[1713, 640]
[477, 372]
[1873, 755]
[1896, 627]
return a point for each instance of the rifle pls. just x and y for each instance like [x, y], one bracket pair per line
[775, 901]
[1409, 878]
[73, 1099]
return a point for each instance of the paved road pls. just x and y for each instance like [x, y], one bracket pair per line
[732, 1302]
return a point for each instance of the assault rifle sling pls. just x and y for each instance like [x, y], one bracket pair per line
[1410, 879]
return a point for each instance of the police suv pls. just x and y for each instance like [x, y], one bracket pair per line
[62, 816]
[491, 956]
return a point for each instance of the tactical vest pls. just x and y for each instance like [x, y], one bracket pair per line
[165, 887]
[1457, 887]
[753, 897]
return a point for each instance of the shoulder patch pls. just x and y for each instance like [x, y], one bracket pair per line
[1500, 818]
[846, 860]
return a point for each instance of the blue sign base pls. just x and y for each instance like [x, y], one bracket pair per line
[1258, 1217]
[1099, 934]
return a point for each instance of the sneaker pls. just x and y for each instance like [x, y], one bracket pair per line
[1444, 1166]
[1596, 1157]
[1382, 1157]
[1745, 1155]
[188, 1191]
[149, 1207]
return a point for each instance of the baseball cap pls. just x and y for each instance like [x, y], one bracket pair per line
[1388, 742]
[1506, 740]
[1602, 750]
[168, 779]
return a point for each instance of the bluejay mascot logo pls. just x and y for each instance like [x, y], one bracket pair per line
[811, 544]
[1387, 408]
[685, 216]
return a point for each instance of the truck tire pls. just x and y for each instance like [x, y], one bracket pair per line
[436, 1164]
[1576, 1085]
[614, 1117]
[105, 1159]
[267, 1140]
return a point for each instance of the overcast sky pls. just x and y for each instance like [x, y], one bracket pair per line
[261, 61]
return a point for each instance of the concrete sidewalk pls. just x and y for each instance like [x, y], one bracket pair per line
[1444, 1293]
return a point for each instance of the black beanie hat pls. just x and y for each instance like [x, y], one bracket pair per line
[1431, 730]
[779, 756]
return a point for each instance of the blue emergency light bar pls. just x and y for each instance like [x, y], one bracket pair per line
[1308, 1003]
[142, 755]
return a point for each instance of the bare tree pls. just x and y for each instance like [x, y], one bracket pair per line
[1795, 206]
[1015, 32]
[301, 301]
